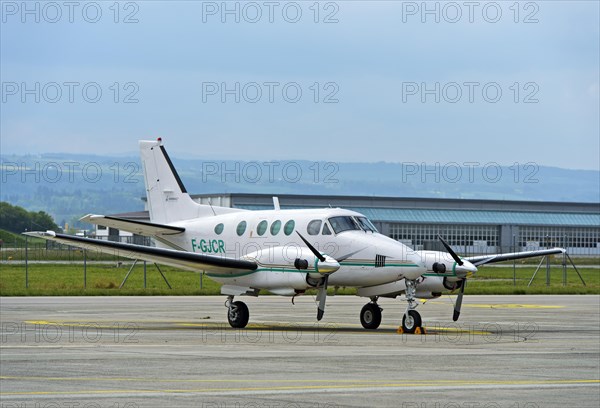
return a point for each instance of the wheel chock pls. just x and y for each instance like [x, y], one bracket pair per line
[418, 330]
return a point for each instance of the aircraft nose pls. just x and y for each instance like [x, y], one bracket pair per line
[466, 270]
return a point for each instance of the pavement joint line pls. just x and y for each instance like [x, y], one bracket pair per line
[320, 387]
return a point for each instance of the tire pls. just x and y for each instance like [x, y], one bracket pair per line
[370, 316]
[238, 315]
[410, 324]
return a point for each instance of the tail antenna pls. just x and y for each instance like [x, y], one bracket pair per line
[211, 207]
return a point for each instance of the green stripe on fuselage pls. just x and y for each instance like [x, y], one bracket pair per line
[288, 270]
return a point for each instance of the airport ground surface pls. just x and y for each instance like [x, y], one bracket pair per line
[506, 351]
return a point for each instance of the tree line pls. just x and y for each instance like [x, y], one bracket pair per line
[17, 219]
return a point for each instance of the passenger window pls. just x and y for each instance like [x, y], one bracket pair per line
[218, 229]
[326, 230]
[314, 227]
[241, 228]
[275, 227]
[289, 227]
[261, 228]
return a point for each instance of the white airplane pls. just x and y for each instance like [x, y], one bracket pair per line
[284, 252]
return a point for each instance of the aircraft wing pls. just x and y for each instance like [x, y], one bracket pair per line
[181, 259]
[148, 229]
[486, 259]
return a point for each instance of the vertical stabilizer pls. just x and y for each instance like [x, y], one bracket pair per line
[168, 200]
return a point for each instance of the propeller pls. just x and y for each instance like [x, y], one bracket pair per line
[321, 297]
[322, 294]
[451, 252]
[319, 256]
[464, 268]
[459, 298]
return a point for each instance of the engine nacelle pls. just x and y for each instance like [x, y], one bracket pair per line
[442, 263]
[427, 295]
[278, 261]
[438, 285]
[437, 262]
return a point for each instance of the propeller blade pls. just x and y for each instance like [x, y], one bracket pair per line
[450, 251]
[321, 297]
[458, 303]
[312, 248]
[344, 257]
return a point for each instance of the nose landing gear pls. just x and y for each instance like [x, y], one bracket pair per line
[411, 321]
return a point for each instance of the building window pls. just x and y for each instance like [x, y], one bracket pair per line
[565, 237]
[419, 235]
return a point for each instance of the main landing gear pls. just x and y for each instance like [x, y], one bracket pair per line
[370, 315]
[237, 313]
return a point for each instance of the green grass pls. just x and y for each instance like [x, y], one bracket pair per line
[12, 240]
[104, 279]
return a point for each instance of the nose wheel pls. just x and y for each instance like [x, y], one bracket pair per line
[370, 316]
[411, 321]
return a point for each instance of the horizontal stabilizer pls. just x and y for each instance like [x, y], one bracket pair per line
[148, 229]
[181, 259]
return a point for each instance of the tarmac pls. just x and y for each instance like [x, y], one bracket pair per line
[129, 352]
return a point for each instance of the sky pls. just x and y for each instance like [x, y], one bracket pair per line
[346, 81]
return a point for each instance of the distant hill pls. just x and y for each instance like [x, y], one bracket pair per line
[69, 186]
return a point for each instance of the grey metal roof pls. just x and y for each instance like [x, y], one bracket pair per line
[468, 217]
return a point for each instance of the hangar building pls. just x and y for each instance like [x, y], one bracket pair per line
[470, 226]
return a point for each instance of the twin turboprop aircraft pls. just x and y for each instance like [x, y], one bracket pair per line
[281, 251]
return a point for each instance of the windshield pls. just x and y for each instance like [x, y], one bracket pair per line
[366, 224]
[341, 224]
[347, 223]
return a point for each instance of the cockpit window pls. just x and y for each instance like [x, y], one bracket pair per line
[314, 227]
[326, 230]
[366, 224]
[341, 224]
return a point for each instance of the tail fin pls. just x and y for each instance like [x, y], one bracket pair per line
[168, 200]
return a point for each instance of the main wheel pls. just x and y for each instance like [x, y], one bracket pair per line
[370, 316]
[411, 322]
[238, 315]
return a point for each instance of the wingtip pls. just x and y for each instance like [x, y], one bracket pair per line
[40, 234]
